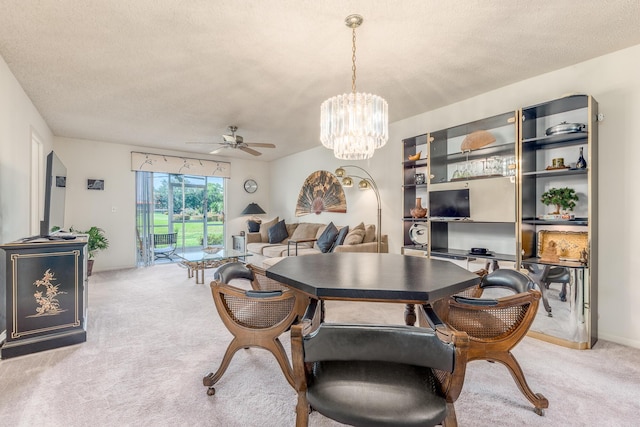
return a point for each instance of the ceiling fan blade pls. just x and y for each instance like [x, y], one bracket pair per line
[224, 146]
[203, 142]
[260, 144]
[229, 138]
[250, 151]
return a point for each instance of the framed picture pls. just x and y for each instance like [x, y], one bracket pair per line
[95, 184]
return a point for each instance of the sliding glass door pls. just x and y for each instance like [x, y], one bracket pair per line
[189, 205]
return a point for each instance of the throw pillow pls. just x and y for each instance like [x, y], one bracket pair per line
[356, 235]
[304, 231]
[264, 229]
[326, 239]
[370, 234]
[278, 232]
[254, 226]
[340, 238]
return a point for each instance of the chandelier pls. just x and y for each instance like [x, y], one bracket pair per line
[354, 125]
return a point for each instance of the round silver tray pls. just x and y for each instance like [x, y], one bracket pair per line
[419, 234]
[565, 127]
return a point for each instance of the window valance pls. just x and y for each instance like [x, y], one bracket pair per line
[148, 162]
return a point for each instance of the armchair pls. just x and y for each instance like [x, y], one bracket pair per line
[495, 326]
[255, 317]
[377, 375]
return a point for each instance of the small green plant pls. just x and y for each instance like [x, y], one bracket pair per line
[563, 198]
[96, 240]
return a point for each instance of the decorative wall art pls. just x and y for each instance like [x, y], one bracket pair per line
[95, 184]
[321, 192]
[48, 303]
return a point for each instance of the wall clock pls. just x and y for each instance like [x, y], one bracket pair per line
[250, 186]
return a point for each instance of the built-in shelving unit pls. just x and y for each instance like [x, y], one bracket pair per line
[505, 181]
[577, 305]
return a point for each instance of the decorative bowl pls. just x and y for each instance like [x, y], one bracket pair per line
[419, 234]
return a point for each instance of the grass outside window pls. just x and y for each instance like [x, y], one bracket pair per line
[193, 230]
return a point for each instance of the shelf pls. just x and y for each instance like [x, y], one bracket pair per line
[560, 105]
[411, 219]
[470, 178]
[467, 221]
[573, 138]
[475, 154]
[415, 247]
[557, 172]
[414, 186]
[464, 254]
[411, 164]
[569, 264]
[572, 222]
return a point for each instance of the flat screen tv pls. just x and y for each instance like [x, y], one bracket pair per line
[449, 204]
[54, 193]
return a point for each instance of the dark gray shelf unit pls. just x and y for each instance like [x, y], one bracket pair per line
[531, 171]
[534, 144]
[444, 252]
[438, 150]
[410, 189]
[579, 331]
[441, 158]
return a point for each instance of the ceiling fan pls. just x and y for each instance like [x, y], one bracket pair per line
[236, 142]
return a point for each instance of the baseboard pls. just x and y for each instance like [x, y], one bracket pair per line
[619, 340]
[558, 341]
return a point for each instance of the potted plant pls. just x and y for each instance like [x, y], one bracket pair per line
[96, 241]
[563, 198]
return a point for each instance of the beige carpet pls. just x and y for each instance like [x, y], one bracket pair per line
[153, 334]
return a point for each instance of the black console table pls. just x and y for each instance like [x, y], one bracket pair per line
[45, 297]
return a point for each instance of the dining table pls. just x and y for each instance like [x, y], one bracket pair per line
[374, 277]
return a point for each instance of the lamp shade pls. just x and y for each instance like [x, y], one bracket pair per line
[253, 209]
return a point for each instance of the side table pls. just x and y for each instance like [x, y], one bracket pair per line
[239, 243]
[296, 242]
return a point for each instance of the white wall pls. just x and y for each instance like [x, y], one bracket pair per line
[613, 81]
[18, 120]
[112, 162]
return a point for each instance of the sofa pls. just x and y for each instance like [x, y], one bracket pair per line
[272, 239]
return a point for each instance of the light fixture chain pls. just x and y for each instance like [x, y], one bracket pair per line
[353, 60]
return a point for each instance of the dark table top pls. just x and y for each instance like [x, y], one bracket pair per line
[372, 277]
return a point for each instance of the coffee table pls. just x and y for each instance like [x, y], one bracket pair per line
[198, 261]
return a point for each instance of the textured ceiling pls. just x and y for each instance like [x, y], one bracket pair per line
[157, 73]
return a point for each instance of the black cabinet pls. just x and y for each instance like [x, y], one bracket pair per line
[44, 297]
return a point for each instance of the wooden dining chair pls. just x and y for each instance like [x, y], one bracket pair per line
[496, 325]
[255, 317]
[377, 375]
